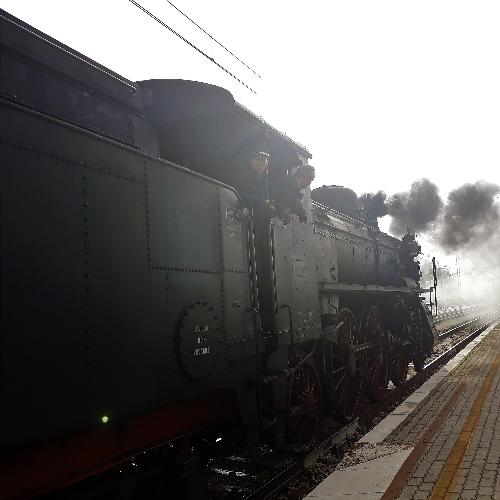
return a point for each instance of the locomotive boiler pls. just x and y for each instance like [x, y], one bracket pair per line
[141, 299]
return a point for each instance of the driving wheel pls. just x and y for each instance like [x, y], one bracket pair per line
[346, 378]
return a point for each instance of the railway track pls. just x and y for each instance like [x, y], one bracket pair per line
[458, 328]
[266, 480]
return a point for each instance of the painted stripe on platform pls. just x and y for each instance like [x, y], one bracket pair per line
[404, 473]
[447, 475]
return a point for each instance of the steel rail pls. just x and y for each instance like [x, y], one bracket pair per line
[447, 355]
[457, 328]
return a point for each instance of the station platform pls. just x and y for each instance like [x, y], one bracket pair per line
[443, 442]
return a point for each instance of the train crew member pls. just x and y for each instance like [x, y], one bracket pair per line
[250, 179]
[290, 196]
[252, 183]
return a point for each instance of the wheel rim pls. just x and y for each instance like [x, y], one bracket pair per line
[305, 391]
[376, 370]
[346, 374]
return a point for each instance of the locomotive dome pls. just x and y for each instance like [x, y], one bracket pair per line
[338, 198]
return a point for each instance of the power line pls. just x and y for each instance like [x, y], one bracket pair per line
[213, 38]
[152, 16]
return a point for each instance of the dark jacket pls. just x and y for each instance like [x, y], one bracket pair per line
[253, 190]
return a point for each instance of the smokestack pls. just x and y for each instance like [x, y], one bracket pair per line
[374, 204]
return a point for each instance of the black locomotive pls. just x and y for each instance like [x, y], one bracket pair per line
[134, 310]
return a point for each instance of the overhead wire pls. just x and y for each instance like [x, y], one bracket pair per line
[192, 45]
[213, 38]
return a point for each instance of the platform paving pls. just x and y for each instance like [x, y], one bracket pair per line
[442, 442]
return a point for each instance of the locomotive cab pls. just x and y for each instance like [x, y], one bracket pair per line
[202, 128]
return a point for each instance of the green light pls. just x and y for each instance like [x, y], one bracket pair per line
[104, 419]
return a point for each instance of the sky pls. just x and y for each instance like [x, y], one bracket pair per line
[381, 93]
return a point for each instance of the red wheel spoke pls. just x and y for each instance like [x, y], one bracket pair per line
[375, 360]
[344, 377]
[345, 381]
[305, 391]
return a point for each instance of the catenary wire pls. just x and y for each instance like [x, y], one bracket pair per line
[204, 54]
[212, 38]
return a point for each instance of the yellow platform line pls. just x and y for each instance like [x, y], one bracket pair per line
[445, 481]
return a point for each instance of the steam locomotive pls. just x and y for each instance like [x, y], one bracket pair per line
[140, 300]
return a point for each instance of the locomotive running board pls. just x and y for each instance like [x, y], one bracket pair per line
[335, 288]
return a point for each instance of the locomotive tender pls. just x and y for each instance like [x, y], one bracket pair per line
[134, 310]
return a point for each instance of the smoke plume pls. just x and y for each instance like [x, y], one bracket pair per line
[469, 221]
[415, 209]
[471, 216]
[468, 225]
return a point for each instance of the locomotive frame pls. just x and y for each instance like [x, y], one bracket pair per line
[120, 332]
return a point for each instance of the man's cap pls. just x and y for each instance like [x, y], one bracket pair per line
[305, 171]
[260, 154]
